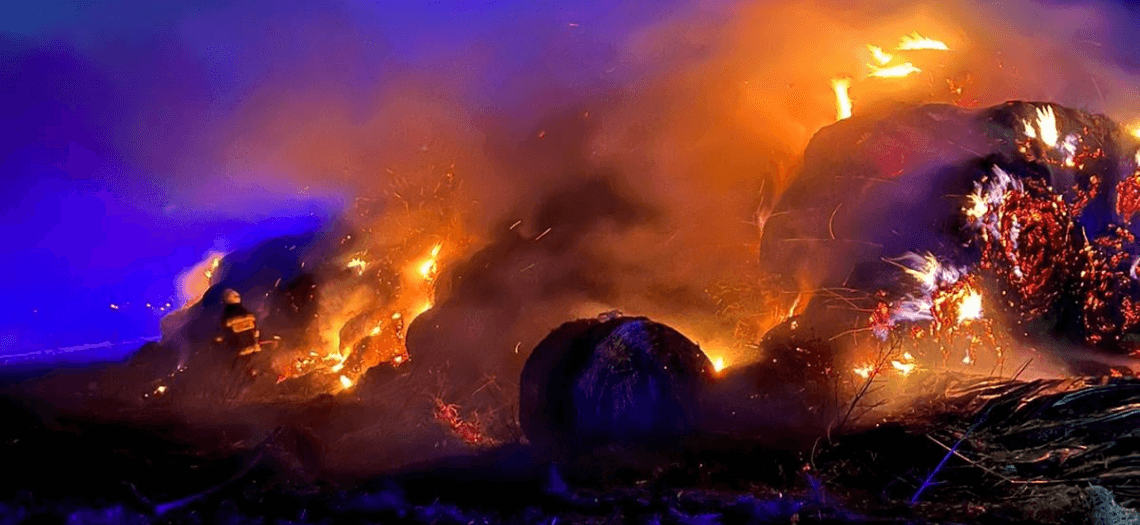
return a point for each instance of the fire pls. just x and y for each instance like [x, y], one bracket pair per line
[842, 99]
[718, 364]
[1046, 127]
[904, 368]
[882, 57]
[927, 270]
[376, 330]
[215, 262]
[359, 264]
[970, 307]
[896, 71]
[423, 308]
[1028, 129]
[977, 208]
[193, 283]
[915, 42]
[430, 267]
[864, 371]
[345, 382]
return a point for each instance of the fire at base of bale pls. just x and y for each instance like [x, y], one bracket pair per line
[625, 382]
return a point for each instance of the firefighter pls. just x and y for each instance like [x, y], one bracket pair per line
[240, 332]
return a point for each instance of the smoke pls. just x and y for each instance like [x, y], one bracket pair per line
[643, 141]
[634, 162]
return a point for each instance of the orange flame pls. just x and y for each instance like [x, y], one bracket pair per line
[882, 57]
[1046, 129]
[977, 208]
[359, 264]
[897, 71]
[430, 267]
[915, 42]
[842, 99]
[718, 364]
[970, 307]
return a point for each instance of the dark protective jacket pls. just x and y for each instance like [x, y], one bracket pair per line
[239, 330]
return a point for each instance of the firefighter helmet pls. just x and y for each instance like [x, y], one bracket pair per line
[231, 296]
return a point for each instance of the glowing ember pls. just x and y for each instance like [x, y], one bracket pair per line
[376, 330]
[915, 42]
[345, 382]
[160, 390]
[114, 306]
[842, 99]
[896, 71]
[882, 57]
[1128, 197]
[470, 431]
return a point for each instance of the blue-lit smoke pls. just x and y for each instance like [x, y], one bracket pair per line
[119, 120]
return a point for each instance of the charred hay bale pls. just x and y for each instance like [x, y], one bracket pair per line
[622, 381]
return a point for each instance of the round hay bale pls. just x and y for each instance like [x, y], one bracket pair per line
[622, 381]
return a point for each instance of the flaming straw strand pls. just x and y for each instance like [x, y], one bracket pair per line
[842, 98]
[916, 42]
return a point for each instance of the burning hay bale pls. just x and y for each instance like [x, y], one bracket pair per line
[930, 212]
[621, 381]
